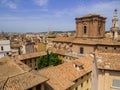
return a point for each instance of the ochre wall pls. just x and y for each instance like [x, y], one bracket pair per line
[105, 79]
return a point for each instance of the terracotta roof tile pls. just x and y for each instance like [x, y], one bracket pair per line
[64, 39]
[14, 75]
[66, 73]
[30, 55]
[103, 41]
[8, 67]
[110, 61]
[23, 81]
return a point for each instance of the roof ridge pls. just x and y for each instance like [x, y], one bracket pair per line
[14, 76]
[5, 83]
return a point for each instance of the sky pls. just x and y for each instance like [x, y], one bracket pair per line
[53, 15]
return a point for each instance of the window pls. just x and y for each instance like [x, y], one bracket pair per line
[76, 80]
[116, 83]
[87, 81]
[25, 62]
[87, 74]
[106, 48]
[81, 50]
[114, 48]
[2, 48]
[82, 77]
[81, 84]
[85, 29]
[30, 89]
[75, 66]
[38, 87]
[80, 67]
[7, 53]
[30, 61]
[76, 88]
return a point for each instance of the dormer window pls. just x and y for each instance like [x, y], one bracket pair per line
[78, 67]
[75, 65]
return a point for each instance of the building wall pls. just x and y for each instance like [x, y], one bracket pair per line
[87, 49]
[108, 49]
[29, 48]
[62, 45]
[38, 87]
[66, 58]
[4, 47]
[75, 48]
[82, 83]
[31, 62]
[105, 79]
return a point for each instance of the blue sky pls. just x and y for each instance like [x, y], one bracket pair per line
[56, 15]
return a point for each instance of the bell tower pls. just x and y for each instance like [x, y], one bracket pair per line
[90, 26]
[115, 26]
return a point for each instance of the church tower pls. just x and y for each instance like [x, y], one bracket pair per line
[115, 26]
[90, 26]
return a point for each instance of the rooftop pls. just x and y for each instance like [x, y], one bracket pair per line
[104, 41]
[30, 55]
[14, 75]
[62, 76]
[109, 61]
[91, 15]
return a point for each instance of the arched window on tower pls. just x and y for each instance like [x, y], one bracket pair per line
[85, 29]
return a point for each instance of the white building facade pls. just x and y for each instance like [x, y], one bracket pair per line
[4, 47]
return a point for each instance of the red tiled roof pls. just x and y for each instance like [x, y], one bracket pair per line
[66, 73]
[14, 75]
[86, 41]
[110, 61]
[30, 55]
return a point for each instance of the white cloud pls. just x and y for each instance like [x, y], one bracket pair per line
[11, 5]
[102, 8]
[58, 19]
[105, 9]
[41, 2]
[8, 3]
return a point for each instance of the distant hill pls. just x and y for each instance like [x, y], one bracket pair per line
[63, 31]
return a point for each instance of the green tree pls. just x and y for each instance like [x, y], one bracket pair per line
[54, 60]
[49, 60]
